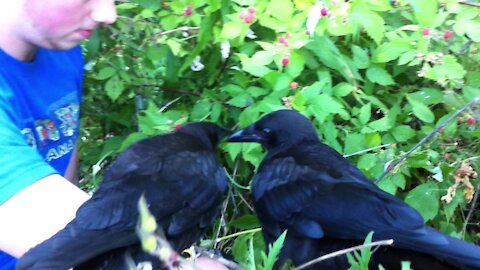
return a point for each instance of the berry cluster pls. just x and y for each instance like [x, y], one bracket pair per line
[248, 16]
[446, 35]
[188, 10]
[470, 120]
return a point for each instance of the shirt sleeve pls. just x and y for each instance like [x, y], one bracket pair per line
[21, 164]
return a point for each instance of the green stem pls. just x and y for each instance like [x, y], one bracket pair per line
[238, 234]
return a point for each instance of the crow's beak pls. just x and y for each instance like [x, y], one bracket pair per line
[245, 135]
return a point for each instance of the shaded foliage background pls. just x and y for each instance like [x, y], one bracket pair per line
[368, 73]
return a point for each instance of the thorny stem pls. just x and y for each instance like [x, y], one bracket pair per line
[345, 251]
[367, 150]
[426, 138]
[472, 207]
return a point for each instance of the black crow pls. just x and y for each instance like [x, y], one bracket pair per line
[183, 184]
[328, 204]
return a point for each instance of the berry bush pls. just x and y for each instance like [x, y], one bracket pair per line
[377, 75]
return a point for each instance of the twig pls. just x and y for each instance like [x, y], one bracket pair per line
[472, 207]
[473, 4]
[465, 160]
[345, 251]
[426, 138]
[222, 222]
[169, 104]
[367, 150]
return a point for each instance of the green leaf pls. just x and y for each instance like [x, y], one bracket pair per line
[281, 9]
[425, 11]
[201, 110]
[273, 252]
[424, 198]
[245, 222]
[403, 133]
[407, 57]
[154, 53]
[360, 57]
[427, 96]
[231, 30]
[114, 87]
[255, 91]
[365, 113]
[153, 5]
[342, 89]
[354, 142]
[241, 101]
[379, 75]
[105, 73]
[262, 58]
[371, 22]
[296, 65]
[471, 92]
[390, 51]
[382, 124]
[330, 56]
[448, 69]
[421, 111]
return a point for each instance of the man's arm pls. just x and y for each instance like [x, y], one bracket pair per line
[37, 212]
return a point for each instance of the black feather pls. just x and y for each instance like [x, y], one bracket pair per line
[183, 184]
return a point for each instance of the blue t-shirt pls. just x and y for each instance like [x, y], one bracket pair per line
[39, 117]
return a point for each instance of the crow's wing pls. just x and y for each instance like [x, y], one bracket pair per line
[315, 203]
[344, 204]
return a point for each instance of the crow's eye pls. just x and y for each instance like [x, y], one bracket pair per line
[266, 132]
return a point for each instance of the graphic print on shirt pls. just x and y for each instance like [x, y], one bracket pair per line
[68, 116]
[46, 130]
[29, 137]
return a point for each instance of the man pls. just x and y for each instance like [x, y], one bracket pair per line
[41, 70]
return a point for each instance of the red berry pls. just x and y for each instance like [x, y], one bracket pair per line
[293, 85]
[181, 116]
[242, 16]
[471, 121]
[425, 31]
[282, 40]
[285, 61]
[188, 12]
[446, 156]
[178, 126]
[248, 18]
[251, 10]
[441, 129]
[324, 12]
[448, 34]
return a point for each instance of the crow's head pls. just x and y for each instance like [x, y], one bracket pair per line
[209, 133]
[277, 129]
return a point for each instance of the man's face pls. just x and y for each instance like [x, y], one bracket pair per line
[62, 24]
